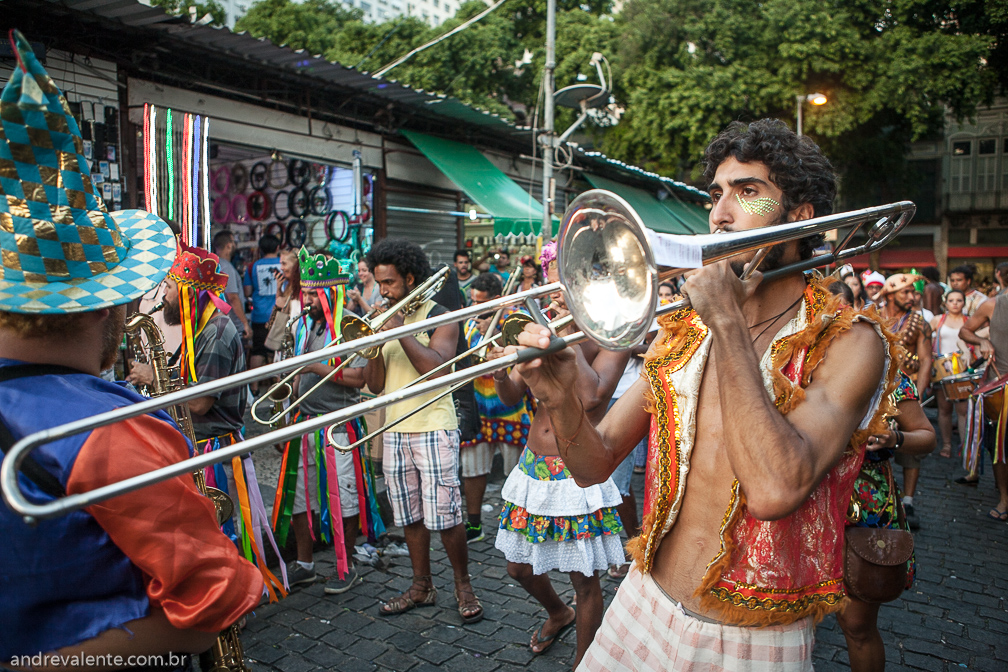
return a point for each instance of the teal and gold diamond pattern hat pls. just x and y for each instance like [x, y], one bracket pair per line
[62, 251]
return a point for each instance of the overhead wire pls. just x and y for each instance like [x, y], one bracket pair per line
[457, 29]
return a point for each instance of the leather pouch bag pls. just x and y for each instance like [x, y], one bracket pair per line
[875, 562]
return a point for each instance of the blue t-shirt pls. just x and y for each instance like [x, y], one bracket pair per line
[263, 282]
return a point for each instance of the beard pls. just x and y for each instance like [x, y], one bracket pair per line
[172, 313]
[772, 261]
[112, 336]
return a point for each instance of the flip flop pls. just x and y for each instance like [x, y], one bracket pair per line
[995, 514]
[547, 643]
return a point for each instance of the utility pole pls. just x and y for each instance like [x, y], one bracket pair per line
[546, 138]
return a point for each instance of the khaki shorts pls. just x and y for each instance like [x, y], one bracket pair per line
[477, 460]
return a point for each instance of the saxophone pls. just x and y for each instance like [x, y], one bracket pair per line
[226, 654]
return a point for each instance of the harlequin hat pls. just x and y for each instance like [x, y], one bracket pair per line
[197, 268]
[318, 270]
[899, 281]
[62, 251]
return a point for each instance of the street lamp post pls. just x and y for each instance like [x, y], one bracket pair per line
[814, 98]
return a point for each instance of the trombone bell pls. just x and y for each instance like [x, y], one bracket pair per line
[607, 269]
[353, 328]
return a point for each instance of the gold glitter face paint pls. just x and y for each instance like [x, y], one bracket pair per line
[758, 206]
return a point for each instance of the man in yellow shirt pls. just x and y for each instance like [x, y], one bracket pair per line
[420, 459]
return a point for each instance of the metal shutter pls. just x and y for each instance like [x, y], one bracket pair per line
[435, 233]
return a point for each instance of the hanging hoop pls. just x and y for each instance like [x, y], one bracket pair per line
[222, 209]
[299, 172]
[276, 230]
[239, 209]
[278, 178]
[258, 206]
[281, 210]
[362, 217]
[220, 182]
[239, 178]
[338, 226]
[314, 242]
[259, 176]
[298, 203]
[297, 233]
[319, 201]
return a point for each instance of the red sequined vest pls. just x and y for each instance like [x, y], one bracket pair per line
[765, 572]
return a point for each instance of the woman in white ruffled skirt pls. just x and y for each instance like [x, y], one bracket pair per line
[548, 521]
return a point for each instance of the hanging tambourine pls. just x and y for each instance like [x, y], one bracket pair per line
[258, 206]
[362, 217]
[259, 176]
[220, 181]
[239, 178]
[298, 203]
[338, 226]
[299, 172]
[319, 201]
[239, 209]
[280, 208]
[221, 209]
[275, 229]
[297, 233]
[278, 177]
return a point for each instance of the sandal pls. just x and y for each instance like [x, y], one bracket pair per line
[537, 639]
[971, 482]
[400, 604]
[468, 602]
[995, 514]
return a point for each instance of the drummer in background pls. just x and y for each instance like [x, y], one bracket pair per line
[952, 355]
[995, 349]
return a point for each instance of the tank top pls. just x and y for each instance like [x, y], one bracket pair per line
[399, 371]
[947, 339]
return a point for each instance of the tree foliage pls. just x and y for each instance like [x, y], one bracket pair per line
[683, 69]
[199, 9]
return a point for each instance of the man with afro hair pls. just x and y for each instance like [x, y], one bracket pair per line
[420, 458]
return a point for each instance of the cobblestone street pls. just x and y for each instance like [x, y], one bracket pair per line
[955, 617]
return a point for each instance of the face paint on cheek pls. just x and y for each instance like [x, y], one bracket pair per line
[758, 206]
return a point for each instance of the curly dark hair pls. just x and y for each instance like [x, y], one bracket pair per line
[796, 165]
[489, 283]
[965, 270]
[407, 258]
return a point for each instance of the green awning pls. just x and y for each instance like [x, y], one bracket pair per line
[513, 209]
[668, 216]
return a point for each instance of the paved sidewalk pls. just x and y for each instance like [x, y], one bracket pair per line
[955, 617]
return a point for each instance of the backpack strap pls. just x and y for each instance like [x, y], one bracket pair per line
[46, 482]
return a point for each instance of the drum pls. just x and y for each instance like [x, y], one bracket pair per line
[961, 386]
[944, 366]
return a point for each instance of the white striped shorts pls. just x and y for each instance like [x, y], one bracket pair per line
[645, 629]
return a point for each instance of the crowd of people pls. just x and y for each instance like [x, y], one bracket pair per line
[756, 470]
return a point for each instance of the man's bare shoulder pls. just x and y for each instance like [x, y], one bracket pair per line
[856, 356]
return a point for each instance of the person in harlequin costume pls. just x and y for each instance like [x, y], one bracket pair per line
[343, 489]
[899, 307]
[549, 522]
[212, 349]
[130, 575]
[503, 428]
[758, 400]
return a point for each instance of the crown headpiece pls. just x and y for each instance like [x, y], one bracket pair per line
[318, 270]
[197, 268]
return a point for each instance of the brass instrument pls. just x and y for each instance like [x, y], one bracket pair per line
[609, 277]
[226, 654]
[352, 328]
[135, 346]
